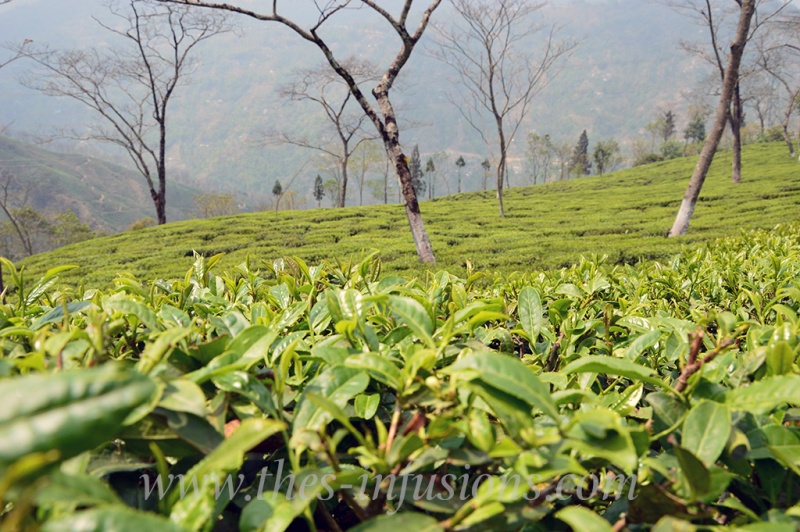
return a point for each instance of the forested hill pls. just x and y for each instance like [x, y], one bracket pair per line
[105, 196]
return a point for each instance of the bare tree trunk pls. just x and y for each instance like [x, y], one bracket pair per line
[343, 162]
[736, 129]
[723, 109]
[501, 167]
[785, 126]
[386, 183]
[390, 137]
[160, 198]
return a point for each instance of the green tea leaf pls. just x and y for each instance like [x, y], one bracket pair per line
[117, 518]
[763, 396]
[580, 518]
[613, 366]
[706, 430]
[508, 374]
[414, 316]
[531, 313]
[337, 385]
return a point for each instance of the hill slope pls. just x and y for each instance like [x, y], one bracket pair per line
[624, 215]
[105, 196]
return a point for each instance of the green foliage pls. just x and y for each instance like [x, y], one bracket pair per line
[142, 224]
[648, 158]
[624, 215]
[696, 130]
[319, 190]
[580, 163]
[607, 156]
[664, 396]
[671, 149]
[211, 204]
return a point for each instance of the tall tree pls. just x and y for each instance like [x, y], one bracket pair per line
[711, 143]
[460, 164]
[499, 74]
[381, 112]
[319, 190]
[325, 88]
[580, 163]
[129, 88]
[367, 157]
[779, 57]
[712, 16]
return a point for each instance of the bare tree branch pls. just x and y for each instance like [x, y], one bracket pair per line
[382, 115]
[497, 78]
[129, 88]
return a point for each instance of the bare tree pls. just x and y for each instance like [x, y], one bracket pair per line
[14, 203]
[130, 88]
[498, 76]
[367, 157]
[779, 57]
[323, 87]
[722, 115]
[382, 112]
[713, 16]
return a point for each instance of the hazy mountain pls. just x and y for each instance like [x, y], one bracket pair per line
[106, 196]
[626, 67]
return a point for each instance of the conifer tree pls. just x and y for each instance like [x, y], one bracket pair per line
[319, 190]
[580, 156]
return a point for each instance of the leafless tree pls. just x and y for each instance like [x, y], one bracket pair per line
[381, 112]
[129, 88]
[27, 232]
[779, 57]
[713, 16]
[498, 70]
[368, 157]
[323, 87]
[737, 48]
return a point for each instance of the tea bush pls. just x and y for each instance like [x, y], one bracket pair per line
[662, 396]
[546, 226]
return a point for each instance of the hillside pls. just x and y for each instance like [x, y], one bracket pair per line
[624, 215]
[105, 196]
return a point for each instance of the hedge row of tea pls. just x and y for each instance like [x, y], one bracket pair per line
[334, 397]
[624, 215]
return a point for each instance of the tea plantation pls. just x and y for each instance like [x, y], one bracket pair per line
[624, 215]
[278, 393]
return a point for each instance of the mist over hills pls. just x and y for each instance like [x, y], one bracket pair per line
[105, 196]
[626, 67]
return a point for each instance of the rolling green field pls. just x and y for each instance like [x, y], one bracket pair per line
[624, 215]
